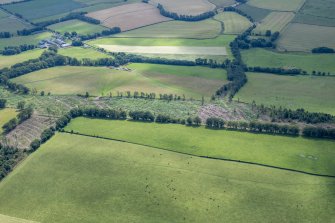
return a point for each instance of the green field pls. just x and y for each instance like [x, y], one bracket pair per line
[233, 23]
[305, 61]
[208, 28]
[303, 37]
[191, 81]
[282, 5]
[9, 23]
[78, 26]
[6, 115]
[81, 53]
[256, 13]
[38, 9]
[275, 21]
[8, 219]
[80, 179]
[21, 40]
[7, 61]
[315, 94]
[222, 3]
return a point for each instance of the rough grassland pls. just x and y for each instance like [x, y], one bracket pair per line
[6, 115]
[305, 61]
[20, 40]
[77, 26]
[282, 151]
[275, 21]
[233, 23]
[99, 81]
[315, 94]
[80, 179]
[208, 28]
[279, 5]
[82, 53]
[42, 8]
[7, 61]
[303, 37]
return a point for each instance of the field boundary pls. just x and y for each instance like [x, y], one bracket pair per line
[206, 157]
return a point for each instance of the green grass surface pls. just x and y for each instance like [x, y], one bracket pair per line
[303, 37]
[6, 115]
[8, 219]
[315, 94]
[297, 153]
[143, 78]
[306, 61]
[208, 28]
[282, 5]
[81, 179]
[7, 61]
[9, 23]
[233, 23]
[21, 40]
[275, 21]
[81, 53]
[78, 26]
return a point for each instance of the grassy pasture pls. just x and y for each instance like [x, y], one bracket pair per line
[80, 179]
[257, 14]
[8, 219]
[303, 37]
[37, 9]
[282, 5]
[275, 21]
[82, 53]
[233, 23]
[20, 40]
[6, 115]
[315, 94]
[306, 61]
[208, 28]
[144, 78]
[7, 61]
[290, 152]
[9, 23]
[77, 26]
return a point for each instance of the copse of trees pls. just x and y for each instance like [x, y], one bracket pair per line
[189, 18]
[318, 132]
[323, 50]
[12, 50]
[3, 103]
[4, 35]
[9, 157]
[27, 32]
[23, 115]
[142, 116]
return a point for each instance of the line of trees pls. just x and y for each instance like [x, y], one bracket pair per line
[318, 132]
[3, 103]
[23, 115]
[190, 18]
[282, 71]
[234, 9]
[9, 157]
[12, 50]
[323, 50]
[4, 35]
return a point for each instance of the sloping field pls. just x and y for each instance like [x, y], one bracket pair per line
[184, 50]
[6, 115]
[275, 21]
[98, 80]
[256, 13]
[129, 16]
[7, 61]
[208, 28]
[282, 5]
[222, 3]
[303, 37]
[82, 53]
[81, 179]
[315, 94]
[185, 7]
[306, 61]
[21, 40]
[42, 8]
[233, 23]
[10, 23]
[78, 26]
[8, 219]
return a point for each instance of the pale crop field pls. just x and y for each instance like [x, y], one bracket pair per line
[277, 5]
[275, 21]
[233, 23]
[82, 53]
[185, 7]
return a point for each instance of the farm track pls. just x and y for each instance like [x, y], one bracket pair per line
[206, 157]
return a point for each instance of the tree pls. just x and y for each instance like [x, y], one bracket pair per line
[3, 103]
[189, 121]
[197, 121]
[20, 105]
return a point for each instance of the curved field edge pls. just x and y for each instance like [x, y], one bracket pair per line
[296, 153]
[83, 179]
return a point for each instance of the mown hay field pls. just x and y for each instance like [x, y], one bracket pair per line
[303, 37]
[6, 115]
[256, 13]
[305, 61]
[289, 152]
[186, 7]
[143, 78]
[82, 179]
[314, 94]
[9, 219]
[21, 40]
[129, 17]
[78, 26]
[233, 23]
[275, 21]
[222, 3]
[7, 61]
[282, 5]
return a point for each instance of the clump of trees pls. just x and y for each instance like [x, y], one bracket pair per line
[318, 132]
[3, 103]
[9, 157]
[4, 35]
[23, 115]
[190, 18]
[323, 50]
[12, 50]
